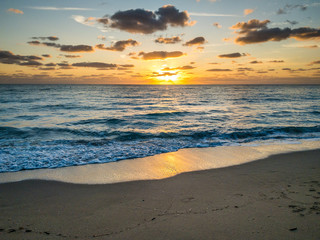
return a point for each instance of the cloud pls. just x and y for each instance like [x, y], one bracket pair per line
[255, 31]
[51, 38]
[217, 25]
[102, 20]
[72, 56]
[233, 55]
[99, 65]
[219, 70]
[248, 11]
[288, 7]
[34, 43]
[17, 11]
[127, 65]
[276, 61]
[7, 57]
[244, 69]
[171, 40]
[250, 25]
[163, 74]
[46, 55]
[119, 46]
[310, 46]
[50, 8]
[186, 67]
[47, 68]
[292, 22]
[255, 62]
[76, 48]
[64, 48]
[30, 63]
[315, 62]
[195, 41]
[50, 65]
[145, 21]
[160, 55]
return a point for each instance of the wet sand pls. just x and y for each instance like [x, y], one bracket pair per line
[274, 198]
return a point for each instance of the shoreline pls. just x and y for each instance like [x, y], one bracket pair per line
[160, 166]
[275, 198]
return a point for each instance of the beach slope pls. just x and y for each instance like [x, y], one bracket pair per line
[273, 198]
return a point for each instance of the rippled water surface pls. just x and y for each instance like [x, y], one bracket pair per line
[49, 126]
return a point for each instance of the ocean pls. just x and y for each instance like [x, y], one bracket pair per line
[54, 126]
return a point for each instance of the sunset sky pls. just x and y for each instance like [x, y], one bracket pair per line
[160, 42]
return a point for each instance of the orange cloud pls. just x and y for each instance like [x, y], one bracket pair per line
[17, 11]
[248, 11]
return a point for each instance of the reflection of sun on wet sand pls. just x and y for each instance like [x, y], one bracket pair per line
[276, 198]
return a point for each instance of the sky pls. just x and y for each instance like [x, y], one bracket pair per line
[159, 42]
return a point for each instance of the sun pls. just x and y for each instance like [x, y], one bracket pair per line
[166, 77]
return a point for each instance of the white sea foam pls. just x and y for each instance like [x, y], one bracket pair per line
[162, 165]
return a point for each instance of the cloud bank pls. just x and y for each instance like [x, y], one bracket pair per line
[160, 55]
[147, 22]
[119, 46]
[256, 31]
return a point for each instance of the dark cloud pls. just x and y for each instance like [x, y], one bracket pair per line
[233, 55]
[7, 57]
[100, 65]
[34, 43]
[276, 61]
[47, 68]
[119, 46]
[145, 21]
[64, 48]
[315, 62]
[286, 69]
[219, 70]
[127, 65]
[171, 40]
[255, 62]
[160, 55]
[72, 56]
[195, 41]
[51, 38]
[63, 64]
[76, 48]
[288, 7]
[256, 31]
[50, 65]
[30, 63]
[50, 44]
[46, 55]
[103, 20]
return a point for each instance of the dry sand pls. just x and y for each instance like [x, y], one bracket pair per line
[273, 198]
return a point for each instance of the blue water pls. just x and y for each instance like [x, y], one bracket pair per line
[50, 126]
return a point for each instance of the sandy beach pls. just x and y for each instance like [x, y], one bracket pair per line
[274, 198]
